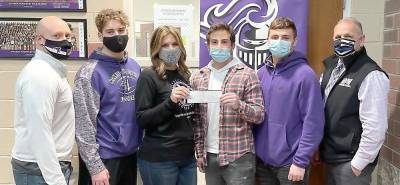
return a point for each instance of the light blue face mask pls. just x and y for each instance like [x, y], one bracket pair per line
[220, 55]
[279, 48]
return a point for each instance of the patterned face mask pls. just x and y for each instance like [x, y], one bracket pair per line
[170, 56]
[58, 49]
[344, 47]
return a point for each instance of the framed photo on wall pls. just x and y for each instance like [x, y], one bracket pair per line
[17, 37]
[43, 5]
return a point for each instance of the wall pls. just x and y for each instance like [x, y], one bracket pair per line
[370, 14]
[143, 11]
[388, 172]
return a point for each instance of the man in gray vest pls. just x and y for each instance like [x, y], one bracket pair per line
[355, 93]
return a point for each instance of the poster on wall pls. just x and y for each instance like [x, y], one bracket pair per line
[43, 5]
[17, 37]
[250, 20]
[179, 16]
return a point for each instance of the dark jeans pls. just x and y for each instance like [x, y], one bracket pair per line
[123, 171]
[239, 172]
[342, 174]
[22, 178]
[168, 173]
[268, 175]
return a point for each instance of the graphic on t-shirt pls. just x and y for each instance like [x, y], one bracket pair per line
[184, 105]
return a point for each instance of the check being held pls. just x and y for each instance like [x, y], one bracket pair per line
[210, 96]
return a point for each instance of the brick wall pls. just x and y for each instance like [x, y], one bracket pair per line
[389, 164]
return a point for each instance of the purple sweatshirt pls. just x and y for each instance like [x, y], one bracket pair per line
[104, 100]
[294, 113]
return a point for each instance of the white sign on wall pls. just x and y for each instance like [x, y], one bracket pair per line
[180, 16]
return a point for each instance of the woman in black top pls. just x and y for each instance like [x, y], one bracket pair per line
[166, 156]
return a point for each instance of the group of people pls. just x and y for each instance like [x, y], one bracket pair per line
[20, 36]
[266, 127]
[17, 36]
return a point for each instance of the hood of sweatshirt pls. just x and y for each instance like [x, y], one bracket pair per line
[293, 59]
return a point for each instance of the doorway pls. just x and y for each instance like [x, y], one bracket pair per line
[323, 15]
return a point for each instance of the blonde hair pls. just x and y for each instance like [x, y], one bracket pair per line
[155, 46]
[109, 14]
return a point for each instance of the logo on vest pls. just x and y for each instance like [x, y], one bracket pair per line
[346, 82]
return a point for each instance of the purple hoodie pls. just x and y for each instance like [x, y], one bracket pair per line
[294, 118]
[104, 100]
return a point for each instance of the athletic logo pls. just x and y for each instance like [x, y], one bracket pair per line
[250, 20]
[126, 80]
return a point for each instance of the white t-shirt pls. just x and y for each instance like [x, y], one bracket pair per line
[217, 77]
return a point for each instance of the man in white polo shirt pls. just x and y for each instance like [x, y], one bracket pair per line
[44, 113]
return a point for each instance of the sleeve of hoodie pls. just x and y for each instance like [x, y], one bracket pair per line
[148, 114]
[86, 102]
[312, 114]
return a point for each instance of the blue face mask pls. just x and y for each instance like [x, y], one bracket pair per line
[279, 48]
[220, 55]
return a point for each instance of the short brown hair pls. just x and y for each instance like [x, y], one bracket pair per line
[109, 14]
[283, 23]
[220, 26]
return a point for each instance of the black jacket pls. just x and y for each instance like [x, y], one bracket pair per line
[343, 126]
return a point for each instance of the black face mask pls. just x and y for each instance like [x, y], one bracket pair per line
[116, 43]
[58, 49]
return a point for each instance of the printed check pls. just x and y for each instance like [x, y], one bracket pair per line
[204, 96]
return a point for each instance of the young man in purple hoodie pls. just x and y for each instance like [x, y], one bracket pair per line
[107, 134]
[294, 118]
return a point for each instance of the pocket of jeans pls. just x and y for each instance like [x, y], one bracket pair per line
[20, 178]
[68, 173]
[350, 169]
[35, 179]
[246, 161]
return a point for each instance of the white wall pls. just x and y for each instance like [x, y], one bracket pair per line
[142, 11]
[370, 14]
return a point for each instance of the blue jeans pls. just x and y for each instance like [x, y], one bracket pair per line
[168, 173]
[239, 172]
[26, 179]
